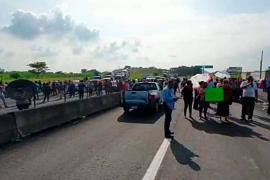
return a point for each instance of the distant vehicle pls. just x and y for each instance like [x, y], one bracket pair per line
[143, 96]
[121, 74]
[106, 79]
[150, 79]
[108, 76]
[96, 77]
[120, 78]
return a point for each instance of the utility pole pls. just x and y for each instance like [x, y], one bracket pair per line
[261, 63]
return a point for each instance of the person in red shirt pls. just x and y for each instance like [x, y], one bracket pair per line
[203, 105]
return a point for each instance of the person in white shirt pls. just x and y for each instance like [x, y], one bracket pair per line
[249, 96]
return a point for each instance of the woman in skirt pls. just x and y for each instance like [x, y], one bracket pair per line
[223, 108]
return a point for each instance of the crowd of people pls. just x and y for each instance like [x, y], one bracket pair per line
[194, 98]
[69, 89]
[245, 92]
[45, 91]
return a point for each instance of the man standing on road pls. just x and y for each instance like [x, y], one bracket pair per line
[81, 87]
[187, 93]
[71, 89]
[46, 92]
[249, 97]
[176, 86]
[61, 90]
[169, 100]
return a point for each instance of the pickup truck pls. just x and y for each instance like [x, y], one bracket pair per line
[144, 95]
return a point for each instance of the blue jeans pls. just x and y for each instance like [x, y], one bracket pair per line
[168, 119]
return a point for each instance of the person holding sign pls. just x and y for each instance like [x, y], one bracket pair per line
[249, 97]
[203, 105]
[223, 108]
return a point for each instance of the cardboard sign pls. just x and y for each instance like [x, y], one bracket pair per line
[214, 95]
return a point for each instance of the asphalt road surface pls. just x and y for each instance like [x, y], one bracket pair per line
[111, 145]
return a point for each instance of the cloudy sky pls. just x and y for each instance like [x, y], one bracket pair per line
[104, 34]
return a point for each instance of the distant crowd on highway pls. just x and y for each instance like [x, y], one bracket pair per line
[235, 90]
[69, 89]
[59, 90]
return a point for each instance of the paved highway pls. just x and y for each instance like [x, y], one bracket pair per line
[111, 145]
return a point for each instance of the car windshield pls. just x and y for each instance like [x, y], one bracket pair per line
[144, 87]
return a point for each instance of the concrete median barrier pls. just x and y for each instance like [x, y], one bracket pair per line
[8, 129]
[35, 120]
[97, 104]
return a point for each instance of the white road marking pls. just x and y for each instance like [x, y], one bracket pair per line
[253, 163]
[156, 162]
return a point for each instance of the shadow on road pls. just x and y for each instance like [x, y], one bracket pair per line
[254, 123]
[231, 129]
[140, 117]
[265, 126]
[239, 121]
[262, 118]
[184, 156]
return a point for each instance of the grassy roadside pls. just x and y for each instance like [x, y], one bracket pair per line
[45, 77]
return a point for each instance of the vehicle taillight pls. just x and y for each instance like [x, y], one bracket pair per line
[151, 98]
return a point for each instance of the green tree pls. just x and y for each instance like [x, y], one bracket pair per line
[38, 68]
[14, 75]
[59, 72]
[155, 74]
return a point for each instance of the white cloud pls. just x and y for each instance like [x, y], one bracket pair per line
[27, 25]
[116, 51]
[5, 53]
[40, 51]
[168, 33]
[78, 50]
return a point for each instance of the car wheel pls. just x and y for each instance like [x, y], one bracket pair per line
[156, 108]
[126, 109]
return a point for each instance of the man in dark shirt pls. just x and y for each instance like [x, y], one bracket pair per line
[46, 92]
[71, 89]
[176, 86]
[61, 90]
[187, 93]
[81, 88]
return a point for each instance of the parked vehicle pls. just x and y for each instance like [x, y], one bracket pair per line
[143, 95]
[96, 78]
